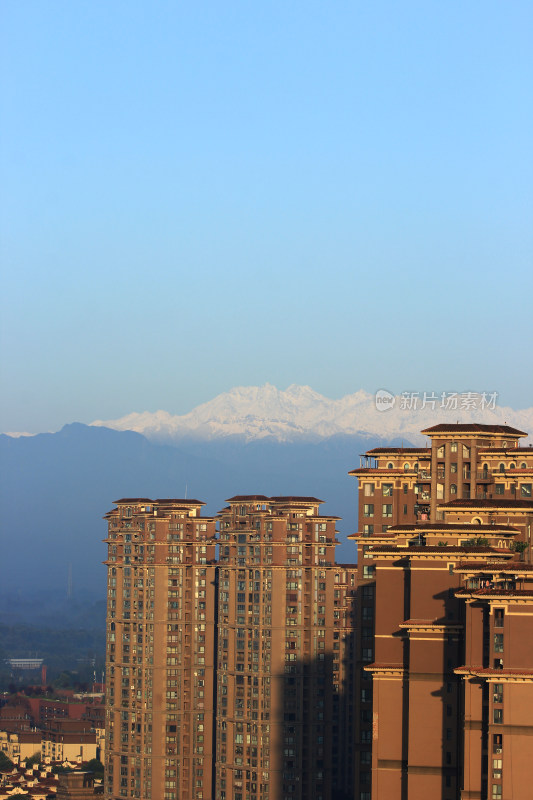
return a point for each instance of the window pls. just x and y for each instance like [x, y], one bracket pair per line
[525, 490]
[390, 465]
[368, 510]
[499, 488]
[369, 571]
[387, 509]
[453, 467]
[453, 488]
[406, 467]
[405, 508]
[498, 617]
[497, 716]
[453, 447]
[496, 791]
[497, 764]
[368, 530]
[405, 488]
[387, 489]
[498, 642]
[497, 741]
[369, 489]
[497, 692]
[440, 451]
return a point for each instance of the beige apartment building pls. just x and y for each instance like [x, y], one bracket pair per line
[160, 650]
[445, 610]
[285, 660]
[229, 679]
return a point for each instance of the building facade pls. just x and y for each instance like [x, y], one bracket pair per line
[160, 650]
[444, 533]
[229, 678]
[285, 679]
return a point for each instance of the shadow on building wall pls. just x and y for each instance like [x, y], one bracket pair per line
[317, 744]
[451, 693]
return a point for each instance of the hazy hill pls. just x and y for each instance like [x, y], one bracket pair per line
[56, 487]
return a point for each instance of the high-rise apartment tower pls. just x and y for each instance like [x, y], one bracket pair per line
[160, 650]
[229, 679]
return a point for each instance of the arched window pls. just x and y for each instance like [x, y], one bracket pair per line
[512, 466]
[477, 521]
[523, 465]
[415, 466]
[502, 467]
[390, 465]
[406, 467]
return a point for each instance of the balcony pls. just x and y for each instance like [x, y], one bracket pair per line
[485, 476]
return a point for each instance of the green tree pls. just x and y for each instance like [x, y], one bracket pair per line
[34, 759]
[5, 762]
[519, 547]
[95, 766]
[477, 541]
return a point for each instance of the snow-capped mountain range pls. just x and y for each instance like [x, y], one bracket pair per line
[300, 413]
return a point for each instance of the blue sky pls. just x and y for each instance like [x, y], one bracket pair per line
[202, 195]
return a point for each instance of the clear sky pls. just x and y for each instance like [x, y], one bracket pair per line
[199, 195]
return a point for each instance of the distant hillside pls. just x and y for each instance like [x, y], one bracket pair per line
[56, 488]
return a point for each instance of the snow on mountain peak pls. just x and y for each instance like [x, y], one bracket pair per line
[299, 412]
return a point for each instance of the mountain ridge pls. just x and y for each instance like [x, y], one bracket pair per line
[301, 413]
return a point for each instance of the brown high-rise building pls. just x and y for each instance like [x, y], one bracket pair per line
[444, 661]
[160, 650]
[250, 660]
[285, 661]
